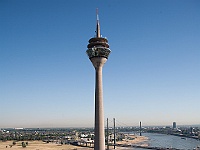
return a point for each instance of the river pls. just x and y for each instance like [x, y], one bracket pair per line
[170, 141]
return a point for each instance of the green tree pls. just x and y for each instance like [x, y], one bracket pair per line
[23, 144]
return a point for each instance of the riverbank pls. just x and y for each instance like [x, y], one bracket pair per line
[36, 145]
[40, 145]
[131, 139]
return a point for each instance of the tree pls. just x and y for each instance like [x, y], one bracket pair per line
[23, 144]
[14, 143]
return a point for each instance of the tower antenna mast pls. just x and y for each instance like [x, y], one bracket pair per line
[98, 34]
[97, 13]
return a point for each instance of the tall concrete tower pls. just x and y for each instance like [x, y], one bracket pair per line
[98, 52]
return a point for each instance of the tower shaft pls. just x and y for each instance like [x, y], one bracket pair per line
[99, 141]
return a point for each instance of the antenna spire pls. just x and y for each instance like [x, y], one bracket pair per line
[98, 25]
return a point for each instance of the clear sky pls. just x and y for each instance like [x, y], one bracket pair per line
[152, 74]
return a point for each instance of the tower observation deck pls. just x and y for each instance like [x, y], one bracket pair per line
[98, 46]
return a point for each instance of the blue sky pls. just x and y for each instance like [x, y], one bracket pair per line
[152, 74]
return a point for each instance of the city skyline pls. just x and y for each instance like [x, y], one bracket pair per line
[46, 79]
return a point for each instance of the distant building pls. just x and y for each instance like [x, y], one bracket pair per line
[174, 125]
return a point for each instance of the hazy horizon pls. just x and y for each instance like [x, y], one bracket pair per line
[62, 127]
[152, 74]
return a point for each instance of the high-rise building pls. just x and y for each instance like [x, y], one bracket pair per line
[174, 125]
[98, 52]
